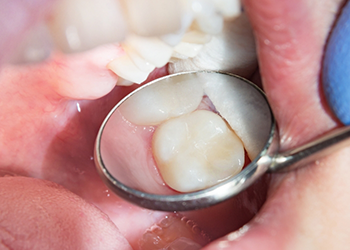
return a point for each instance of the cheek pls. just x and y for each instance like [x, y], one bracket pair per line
[286, 33]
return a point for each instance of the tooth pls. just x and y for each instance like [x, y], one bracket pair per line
[177, 56]
[207, 18]
[35, 47]
[153, 17]
[124, 67]
[236, 44]
[229, 8]
[188, 49]
[152, 49]
[196, 36]
[196, 151]
[174, 38]
[253, 120]
[141, 63]
[211, 24]
[158, 103]
[79, 25]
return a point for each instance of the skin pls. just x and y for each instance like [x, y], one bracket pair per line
[305, 209]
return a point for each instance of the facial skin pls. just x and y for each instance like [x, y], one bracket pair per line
[42, 136]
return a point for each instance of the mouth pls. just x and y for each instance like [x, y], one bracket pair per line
[58, 106]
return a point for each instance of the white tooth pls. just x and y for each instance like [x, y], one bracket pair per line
[196, 36]
[35, 47]
[154, 17]
[79, 25]
[196, 151]
[152, 49]
[175, 38]
[244, 108]
[124, 67]
[207, 18]
[229, 8]
[141, 63]
[188, 49]
[158, 103]
[211, 24]
[231, 51]
[177, 56]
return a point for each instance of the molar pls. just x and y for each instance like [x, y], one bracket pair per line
[35, 47]
[124, 67]
[233, 50]
[196, 151]
[253, 119]
[200, 139]
[153, 17]
[79, 25]
[188, 49]
[152, 49]
[229, 8]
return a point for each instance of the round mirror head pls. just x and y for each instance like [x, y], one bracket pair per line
[186, 141]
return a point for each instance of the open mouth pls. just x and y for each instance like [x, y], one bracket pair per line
[51, 111]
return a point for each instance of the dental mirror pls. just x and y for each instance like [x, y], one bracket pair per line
[191, 140]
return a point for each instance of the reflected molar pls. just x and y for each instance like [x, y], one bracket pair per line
[79, 25]
[158, 103]
[196, 151]
[200, 138]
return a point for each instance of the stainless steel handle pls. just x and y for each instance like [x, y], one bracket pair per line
[312, 151]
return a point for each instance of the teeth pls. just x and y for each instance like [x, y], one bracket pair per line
[195, 148]
[158, 103]
[141, 63]
[124, 67]
[131, 66]
[79, 25]
[229, 8]
[207, 17]
[196, 36]
[175, 38]
[196, 151]
[36, 46]
[231, 51]
[188, 49]
[153, 17]
[152, 49]
[211, 24]
[252, 122]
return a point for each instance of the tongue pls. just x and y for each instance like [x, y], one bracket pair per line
[48, 216]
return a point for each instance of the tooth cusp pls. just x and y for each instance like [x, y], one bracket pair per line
[196, 151]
